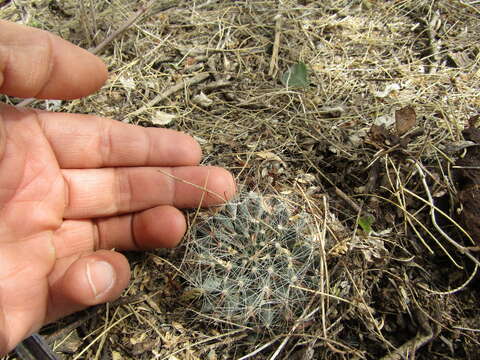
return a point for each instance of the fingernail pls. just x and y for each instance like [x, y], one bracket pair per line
[100, 277]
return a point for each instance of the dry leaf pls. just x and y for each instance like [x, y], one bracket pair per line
[212, 355]
[202, 100]
[269, 156]
[405, 119]
[378, 133]
[472, 134]
[162, 118]
[127, 83]
[385, 120]
[138, 338]
[472, 122]
[53, 105]
[116, 355]
[390, 88]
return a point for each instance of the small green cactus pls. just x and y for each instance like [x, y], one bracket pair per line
[252, 261]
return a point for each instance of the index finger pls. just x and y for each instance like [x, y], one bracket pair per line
[88, 141]
[36, 63]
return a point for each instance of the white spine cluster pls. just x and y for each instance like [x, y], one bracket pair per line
[252, 262]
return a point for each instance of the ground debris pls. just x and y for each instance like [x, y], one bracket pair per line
[374, 131]
[468, 172]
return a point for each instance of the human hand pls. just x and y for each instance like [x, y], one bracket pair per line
[72, 187]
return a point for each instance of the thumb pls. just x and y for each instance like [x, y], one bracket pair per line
[94, 279]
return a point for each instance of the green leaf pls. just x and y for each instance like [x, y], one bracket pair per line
[366, 222]
[296, 76]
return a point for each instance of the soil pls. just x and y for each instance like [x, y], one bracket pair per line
[378, 142]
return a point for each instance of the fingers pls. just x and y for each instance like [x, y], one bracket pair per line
[159, 227]
[24, 266]
[77, 282]
[84, 141]
[90, 280]
[105, 192]
[35, 63]
[3, 137]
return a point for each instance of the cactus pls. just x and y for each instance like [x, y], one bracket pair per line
[252, 261]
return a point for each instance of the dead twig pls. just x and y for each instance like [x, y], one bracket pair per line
[201, 342]
[130, 21]
[217, 84]
[408, 349]
[276, 46]
[301, 320]
[127, 24]
[177, 87]
[433, 208]
[261, 348]
[91, 313]
[348, 200]
[432, 24]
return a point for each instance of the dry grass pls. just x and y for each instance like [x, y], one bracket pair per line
[407, 290]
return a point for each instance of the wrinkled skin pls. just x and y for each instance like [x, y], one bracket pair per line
[73, 187]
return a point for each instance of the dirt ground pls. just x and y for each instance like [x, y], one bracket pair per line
[377, 143]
